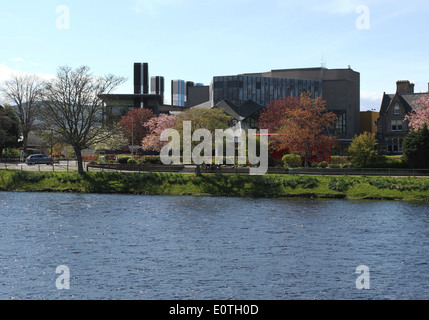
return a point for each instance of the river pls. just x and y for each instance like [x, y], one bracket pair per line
[203, 248]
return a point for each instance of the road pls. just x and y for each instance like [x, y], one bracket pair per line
[61, 166]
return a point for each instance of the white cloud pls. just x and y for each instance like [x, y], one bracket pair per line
[370, 100]
[17, 59]
[6, 73]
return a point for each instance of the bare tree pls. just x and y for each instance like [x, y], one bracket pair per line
[73, 109]
[24, 91]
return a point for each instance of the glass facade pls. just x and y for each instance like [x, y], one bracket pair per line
[341, 126]
[178, 93]
[263, 90]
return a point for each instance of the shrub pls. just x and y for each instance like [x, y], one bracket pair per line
[292, 161]
[340, 184]
[387, 162]
[305, 182]
[30, 176]
[416, 148]
[339, 161]
[131, 161]
[323, 164]
[123, 160]
[308, 182]
[408, 184]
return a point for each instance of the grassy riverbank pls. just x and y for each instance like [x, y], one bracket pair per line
[407, 189]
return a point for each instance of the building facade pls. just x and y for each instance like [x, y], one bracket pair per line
[262, 90]
[392, 126]
[340, 88]
[178, 93]
[369, 121]
[117, 105]
[157, 87]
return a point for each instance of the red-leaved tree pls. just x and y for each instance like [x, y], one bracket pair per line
[302, 125]
[133, 125]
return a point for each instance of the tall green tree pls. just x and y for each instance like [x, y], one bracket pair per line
[416, 148]
[210, 119]
[363, 150]
[200, 118]
[10, 129]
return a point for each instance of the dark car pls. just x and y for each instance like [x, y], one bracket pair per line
[39, 159]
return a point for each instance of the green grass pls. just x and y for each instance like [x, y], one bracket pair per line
[408, 189]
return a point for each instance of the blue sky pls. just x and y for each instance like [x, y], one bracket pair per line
[195, 40]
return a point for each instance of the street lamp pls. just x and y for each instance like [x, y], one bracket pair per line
[52, 134]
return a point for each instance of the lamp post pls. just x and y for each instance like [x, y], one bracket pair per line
[52, 133]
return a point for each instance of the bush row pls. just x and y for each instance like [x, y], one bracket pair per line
[406, 184]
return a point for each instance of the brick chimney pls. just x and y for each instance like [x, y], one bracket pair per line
[404, 86]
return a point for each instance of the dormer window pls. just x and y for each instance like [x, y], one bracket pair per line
[396, 110]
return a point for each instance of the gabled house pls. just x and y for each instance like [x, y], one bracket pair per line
[392, 126]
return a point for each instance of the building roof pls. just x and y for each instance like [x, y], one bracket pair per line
[121, 97]
[385, 103]
[409, 100]
[249, 108]
[239, 113]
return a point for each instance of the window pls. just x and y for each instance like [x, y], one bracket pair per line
[397, 125]
[341, 126]
[394, 145]
[396, 110]
[389, 145]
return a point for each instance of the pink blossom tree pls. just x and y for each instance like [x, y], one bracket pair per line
[155, 127]
[420, 115]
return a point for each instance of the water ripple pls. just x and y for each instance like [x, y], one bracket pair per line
[142, 247]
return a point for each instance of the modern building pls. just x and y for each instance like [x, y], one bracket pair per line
[157, 87]
[117, 105]
[369, 121]
[260, 89]
[178, 93]
[196, 95]
[340, 88]
[392, 126]
[141, 78]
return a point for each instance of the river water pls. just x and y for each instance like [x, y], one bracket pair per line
[202, 248]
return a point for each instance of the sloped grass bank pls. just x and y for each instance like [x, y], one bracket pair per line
[408, 189]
